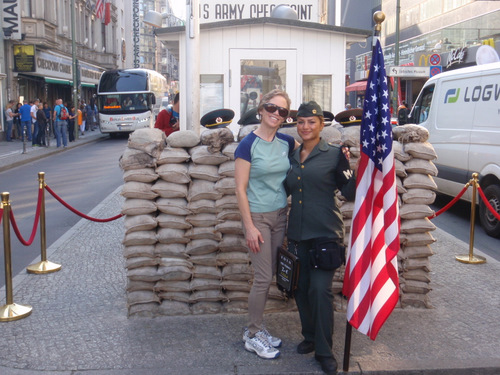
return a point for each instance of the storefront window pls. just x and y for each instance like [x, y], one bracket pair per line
[257, 78]
[319, 89]
[211, 92]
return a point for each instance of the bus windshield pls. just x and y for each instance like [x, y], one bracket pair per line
[120, 103]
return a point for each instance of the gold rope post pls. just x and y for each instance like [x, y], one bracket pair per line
[44, 266]
[471, 258]
[10, 311]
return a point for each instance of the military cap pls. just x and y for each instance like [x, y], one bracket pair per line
[350, 117]
[220, 118]
[249, 117]
[309, 109]
[328, 116]
[291, 119]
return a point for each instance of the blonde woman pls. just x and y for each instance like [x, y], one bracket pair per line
[260, 169]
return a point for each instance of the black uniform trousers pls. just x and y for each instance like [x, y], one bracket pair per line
[314, 299]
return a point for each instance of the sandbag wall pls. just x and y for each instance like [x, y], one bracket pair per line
[184, 245]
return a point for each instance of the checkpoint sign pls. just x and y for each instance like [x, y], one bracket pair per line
[434, 59]
[434, 70]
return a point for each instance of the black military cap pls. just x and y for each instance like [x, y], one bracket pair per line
[309, 109]
[220, 118]
[291, 119]
[249, 117]
[350, 117]
[329, 116]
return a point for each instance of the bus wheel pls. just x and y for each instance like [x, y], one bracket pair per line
[488, 221]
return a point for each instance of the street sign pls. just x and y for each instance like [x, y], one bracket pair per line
[408, 71]
[434, 59]
[436, 69]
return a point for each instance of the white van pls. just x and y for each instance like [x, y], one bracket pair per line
[461, 110]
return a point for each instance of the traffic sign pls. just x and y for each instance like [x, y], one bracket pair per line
[408, 71]
[434, 59]
[436, 69]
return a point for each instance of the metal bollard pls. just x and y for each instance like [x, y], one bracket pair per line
[44, 266]
[10, 311]
[471, 258]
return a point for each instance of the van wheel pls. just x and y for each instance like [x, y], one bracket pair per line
[488, 221]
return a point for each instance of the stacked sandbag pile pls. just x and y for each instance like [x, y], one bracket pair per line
[416, 191]
[184, 245]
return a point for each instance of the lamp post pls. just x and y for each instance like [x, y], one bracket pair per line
[396, 59]
[74, 65]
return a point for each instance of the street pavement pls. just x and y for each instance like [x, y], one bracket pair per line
[79, 323]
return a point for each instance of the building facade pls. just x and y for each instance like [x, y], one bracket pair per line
[39, 62]
[433, 36]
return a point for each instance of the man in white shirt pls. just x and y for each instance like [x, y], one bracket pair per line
[36, 129]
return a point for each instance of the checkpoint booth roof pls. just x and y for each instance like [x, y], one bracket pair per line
[240, 60]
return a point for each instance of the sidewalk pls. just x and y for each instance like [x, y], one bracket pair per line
[11, 153]
[79, 322]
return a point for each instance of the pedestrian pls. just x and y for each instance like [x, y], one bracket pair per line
[315, 229]
[168, 118]
[9, 120]
[91, 114]
[17, 121]
[81, 120]
[34, 123]
[48, 113]
[402, 113]
[60, 118]
[260, 170]
[42, 123]
[71, 123]
[25, 111]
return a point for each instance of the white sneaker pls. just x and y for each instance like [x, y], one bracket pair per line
[273, 341]
[260, 346]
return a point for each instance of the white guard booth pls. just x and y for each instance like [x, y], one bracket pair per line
[240, 60]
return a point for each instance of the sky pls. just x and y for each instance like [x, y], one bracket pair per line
[179, 8]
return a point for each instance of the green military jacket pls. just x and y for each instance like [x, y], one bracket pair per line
[312, 184]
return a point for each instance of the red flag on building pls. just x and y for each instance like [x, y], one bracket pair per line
[107, 13]
[99, 9]
[371, 282]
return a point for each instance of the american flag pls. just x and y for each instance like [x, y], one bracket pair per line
[371, 276]
[99, 9]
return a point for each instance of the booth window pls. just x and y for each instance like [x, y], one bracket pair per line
[257, 78]
[319, 89]
[211, 92]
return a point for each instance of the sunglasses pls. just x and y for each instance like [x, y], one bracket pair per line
[271, 108]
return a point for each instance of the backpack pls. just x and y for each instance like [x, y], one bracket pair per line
[63, 114]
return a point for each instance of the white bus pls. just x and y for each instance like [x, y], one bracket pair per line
[129, 99]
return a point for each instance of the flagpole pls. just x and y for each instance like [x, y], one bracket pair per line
[378, 18]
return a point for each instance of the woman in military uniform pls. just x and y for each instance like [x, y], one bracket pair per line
[318, 169]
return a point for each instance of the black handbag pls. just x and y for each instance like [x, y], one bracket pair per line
[327, 254]
[287, 275]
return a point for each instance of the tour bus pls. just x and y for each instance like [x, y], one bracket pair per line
[129, 99]
[461, 110]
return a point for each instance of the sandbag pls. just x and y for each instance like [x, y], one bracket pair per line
[183, 138]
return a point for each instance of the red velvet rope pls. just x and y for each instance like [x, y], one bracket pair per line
[1, 215]
[35, 224]
[447, 207]
[78, 212]
[487, 204]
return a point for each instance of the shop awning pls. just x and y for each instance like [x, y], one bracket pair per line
[356, 86]
[66, 82]
[58, 81]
